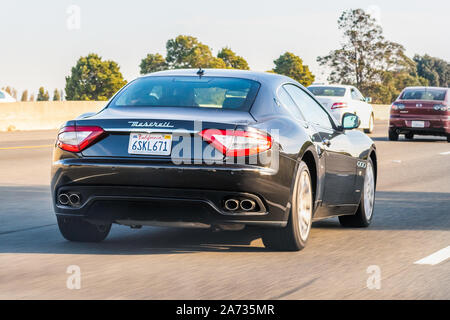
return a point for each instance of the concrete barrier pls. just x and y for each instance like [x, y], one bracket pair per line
[381, 111]
[43, 115]
[51, 114]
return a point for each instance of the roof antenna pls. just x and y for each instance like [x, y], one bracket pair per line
[200, 72]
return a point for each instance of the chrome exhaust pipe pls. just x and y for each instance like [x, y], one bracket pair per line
[63, 199]
[248, 205]
[74, 199]
[231, 204]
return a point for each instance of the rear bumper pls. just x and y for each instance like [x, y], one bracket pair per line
[139, 192]
[432, 126]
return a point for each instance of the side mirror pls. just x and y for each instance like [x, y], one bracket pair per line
[368, 99]
[350, 121]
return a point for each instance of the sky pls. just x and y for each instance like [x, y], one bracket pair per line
[41, 40]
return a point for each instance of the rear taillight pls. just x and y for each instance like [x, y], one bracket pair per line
[76, 139]
[236, 143]
[339, 105]
[397, 106]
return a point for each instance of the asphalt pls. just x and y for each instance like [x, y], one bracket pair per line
[411, 222]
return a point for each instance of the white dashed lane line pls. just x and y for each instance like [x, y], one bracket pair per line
[445, 153]
[436, 258]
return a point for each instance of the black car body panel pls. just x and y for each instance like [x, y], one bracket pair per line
[115, 186]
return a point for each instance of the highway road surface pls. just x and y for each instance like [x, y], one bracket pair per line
[403, 255]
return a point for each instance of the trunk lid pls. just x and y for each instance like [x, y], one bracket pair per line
[328, 102]
[182, 124]
[419, 107]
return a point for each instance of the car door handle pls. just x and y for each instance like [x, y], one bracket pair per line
[326, 142]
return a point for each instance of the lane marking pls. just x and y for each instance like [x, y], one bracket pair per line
[436, 257]
[445, 153]
[28, 147]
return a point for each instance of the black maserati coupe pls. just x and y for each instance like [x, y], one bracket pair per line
[221, 149]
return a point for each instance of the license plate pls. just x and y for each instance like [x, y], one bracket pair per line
[418, 124]
[150, 144]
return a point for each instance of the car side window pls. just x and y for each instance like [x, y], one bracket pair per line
[356, 95]
[289, 104]
[310, 109]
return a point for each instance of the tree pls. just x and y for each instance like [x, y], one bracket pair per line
[367, 60]
[94, 79]
[365, 52]
[32, 97]
[232, 60]
[292, 66]
[188, 52]
[8, 90]
[391, 85]
[11, 91]
[42, 95]
[24, 96]
[153, 63]
[56, 95]
[435, 70]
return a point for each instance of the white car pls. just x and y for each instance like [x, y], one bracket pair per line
[340, 99]
[5, 97]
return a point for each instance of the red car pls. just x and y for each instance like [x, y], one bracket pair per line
[420, 110]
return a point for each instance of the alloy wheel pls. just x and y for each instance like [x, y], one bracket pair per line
[369, 191]
[304, 205]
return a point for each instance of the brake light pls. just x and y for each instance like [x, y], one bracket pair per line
[235, 143]
[76, 139]
[339, 105]
[440, 107]
[397, 106]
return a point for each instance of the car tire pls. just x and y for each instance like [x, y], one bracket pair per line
[409, 136]
[448, 138]
[79, 230]
[364, 214]
[393, 136]
[295, 235]
[371, 125]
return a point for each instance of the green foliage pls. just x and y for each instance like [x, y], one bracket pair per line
[24, 96]
[435, 70]
[11, 91]
[379, 68]
[233, 61]
[56, 95]
[391, 85]
[94, 79]
[188, 52]
[153, 63]
[8, 90]
[292, 66]
[43, 95]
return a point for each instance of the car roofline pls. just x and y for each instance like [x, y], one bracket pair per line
[223, 73]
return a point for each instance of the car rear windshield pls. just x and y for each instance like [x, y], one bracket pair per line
[327, 91]
[192, 92]
[424, 94]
